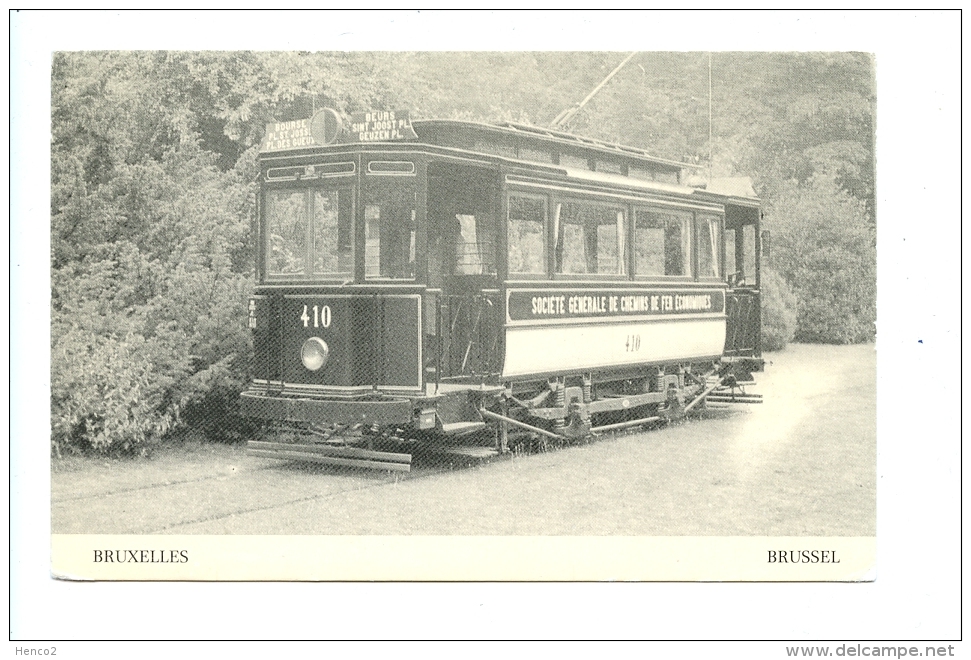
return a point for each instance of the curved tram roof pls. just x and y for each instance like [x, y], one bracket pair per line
[582, 158]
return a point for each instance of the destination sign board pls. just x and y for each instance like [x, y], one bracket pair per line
[545, 304]
[326, 128]
[382, 126]
[318, 131]
[287, 135]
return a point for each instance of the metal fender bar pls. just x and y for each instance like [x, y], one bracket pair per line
[345, 456]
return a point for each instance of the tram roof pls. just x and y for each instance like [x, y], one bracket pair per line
[514, 140]
[739, 192]
[510, 135]
[609, 163]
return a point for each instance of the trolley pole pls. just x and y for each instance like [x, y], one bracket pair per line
[567, 115]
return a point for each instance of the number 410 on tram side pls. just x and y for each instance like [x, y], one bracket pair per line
[465, 287]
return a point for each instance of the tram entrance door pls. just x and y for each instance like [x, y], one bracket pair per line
[742, 305]
[462, 272]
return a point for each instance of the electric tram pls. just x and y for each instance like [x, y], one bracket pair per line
[477, 287]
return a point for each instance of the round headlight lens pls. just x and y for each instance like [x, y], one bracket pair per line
[314, 353]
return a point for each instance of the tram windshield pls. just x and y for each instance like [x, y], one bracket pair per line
[741, 258]
[309, 233]
[390, 229]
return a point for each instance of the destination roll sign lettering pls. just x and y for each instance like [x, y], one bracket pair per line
[326, 128]
[287, 135]
[382, 126]
[321, 130]
[533, 305]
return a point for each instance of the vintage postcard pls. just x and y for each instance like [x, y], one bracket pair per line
[470, 316]
[528, 315]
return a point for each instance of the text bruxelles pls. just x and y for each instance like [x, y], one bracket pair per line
[141, 556]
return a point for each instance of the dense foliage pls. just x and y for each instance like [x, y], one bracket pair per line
[779, 311]
[152, 194]
[825, 248]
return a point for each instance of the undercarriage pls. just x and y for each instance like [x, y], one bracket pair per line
[385, 432]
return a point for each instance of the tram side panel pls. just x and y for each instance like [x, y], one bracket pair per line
[565, 331]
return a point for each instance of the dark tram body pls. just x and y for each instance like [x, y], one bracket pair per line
[437, 282]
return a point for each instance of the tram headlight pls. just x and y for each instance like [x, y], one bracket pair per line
[314, 353]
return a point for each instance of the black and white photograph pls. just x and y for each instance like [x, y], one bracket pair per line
[406, 294]
[472, 315]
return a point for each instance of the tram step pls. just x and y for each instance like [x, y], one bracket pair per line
[462, 428]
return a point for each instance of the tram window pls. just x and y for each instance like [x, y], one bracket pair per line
[475, 245]
[748, 254]
[309, 227]
[640, 173]
[608, 166]
[286, 225]
[610, 243]
[709, 245]
[332, 233]
[589, 239]
[389, 230]
[576, 162]
[662, 243]
[526, 235]
[730, 268]
[648, 244]
[535, 155]
[372, 240]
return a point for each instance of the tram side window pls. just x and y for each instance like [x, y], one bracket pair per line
[389, 230]
[709, 245]
[475, 245]
[662, 243]
[589, 239]
[526, 236]
[648, 244]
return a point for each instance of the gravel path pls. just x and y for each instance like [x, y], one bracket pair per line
[802, 463]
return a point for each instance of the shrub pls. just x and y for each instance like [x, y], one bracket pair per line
[825, 248]
[105, 394]
[778, 311]
[149, 325]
